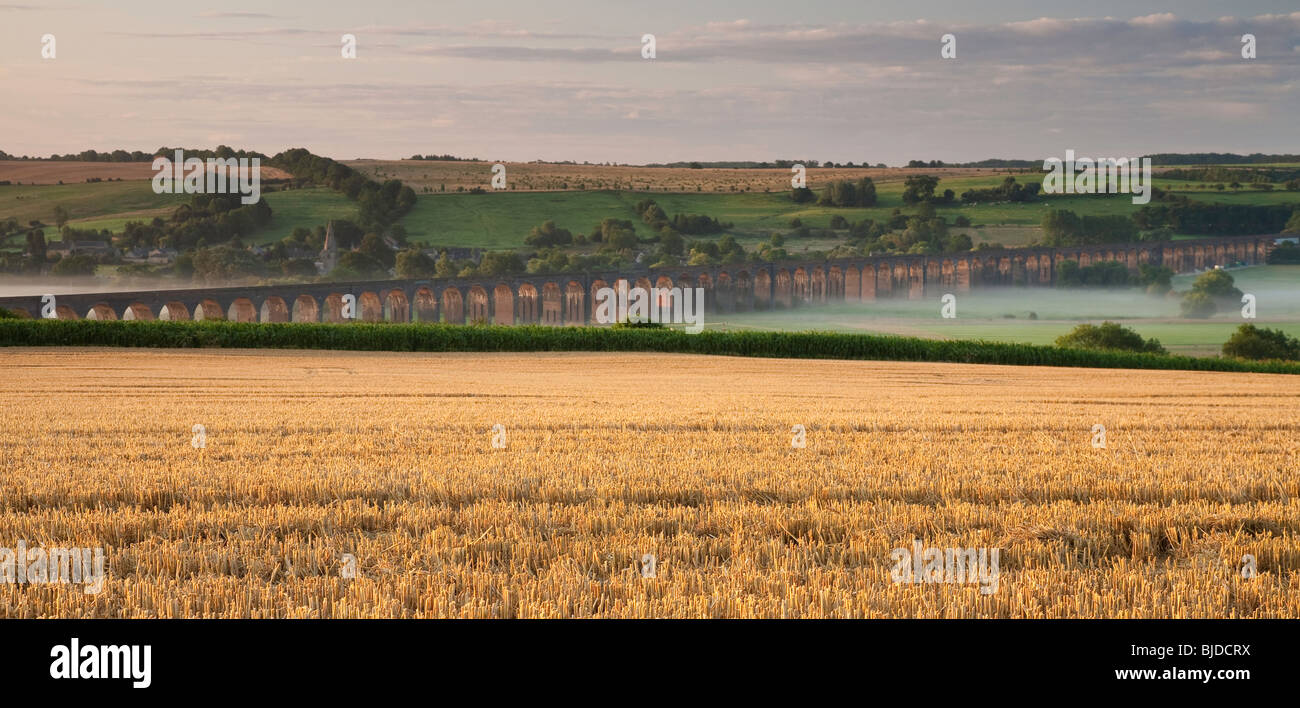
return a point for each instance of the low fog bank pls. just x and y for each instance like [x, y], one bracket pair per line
[1010, 306]
[23, 287]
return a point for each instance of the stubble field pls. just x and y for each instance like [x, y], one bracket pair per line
[389, 457]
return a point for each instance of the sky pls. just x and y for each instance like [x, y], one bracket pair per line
[840, 80]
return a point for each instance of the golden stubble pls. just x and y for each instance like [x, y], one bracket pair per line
[389, 457]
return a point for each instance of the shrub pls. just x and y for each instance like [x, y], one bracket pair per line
[1108, 336]
[1198, 305]
[630, 323]
[74, 265]
[1251, 342]
[1218, 284]
[1288, 253]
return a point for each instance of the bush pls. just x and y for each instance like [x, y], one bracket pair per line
[1108, 336]
[7, 315]
[630, 323]
[74, 265]
[1198, 305]
[1218, 284]
[1251, 342]
[1287, 253]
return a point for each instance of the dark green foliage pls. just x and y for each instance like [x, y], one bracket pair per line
[1198, 305]
[1292, 225]
[1287, 253]
[224, 263]
[638, 324]
[919, 188]
[1062, 227]
[1217, 284]
[1251, 342]
[802, 195]
[1109, 336]
[548, 235]
[413, 263]
[1008, 191]
[380, 205]
[1188, 217]
[75, 265]
[457, 338]
[1106, 274]
[845, 193]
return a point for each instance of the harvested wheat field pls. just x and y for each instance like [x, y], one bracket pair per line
[59, 171]
[464, 175]
[389, 457]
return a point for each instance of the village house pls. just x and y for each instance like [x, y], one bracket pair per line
[163, 256]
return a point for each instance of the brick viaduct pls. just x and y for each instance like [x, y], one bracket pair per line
[566, 299]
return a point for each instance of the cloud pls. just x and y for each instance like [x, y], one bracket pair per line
[238, 15]
[738, 88]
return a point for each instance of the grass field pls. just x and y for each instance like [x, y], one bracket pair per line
[389, 457]
[501, 220]
[307, 208]
[85, 203]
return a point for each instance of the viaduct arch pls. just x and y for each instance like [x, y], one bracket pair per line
[567, 299]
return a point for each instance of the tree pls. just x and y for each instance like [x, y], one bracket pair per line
[60, 216]
[298, 268]
[1288, 252]
[1217, 284]
[548, 235]
[866, 192]
[355, 265]
[1251, 342]
[500, 263]
[1198, 305]
[1157, 279]
[74, 265]
[958, 243]
[372, 245]
[671, 242]
[412, 263]
[1108, 336]
[919, 188]
[223, 263]
[801, 195]
[1292, 224]
[36, 247]
[443, 267]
